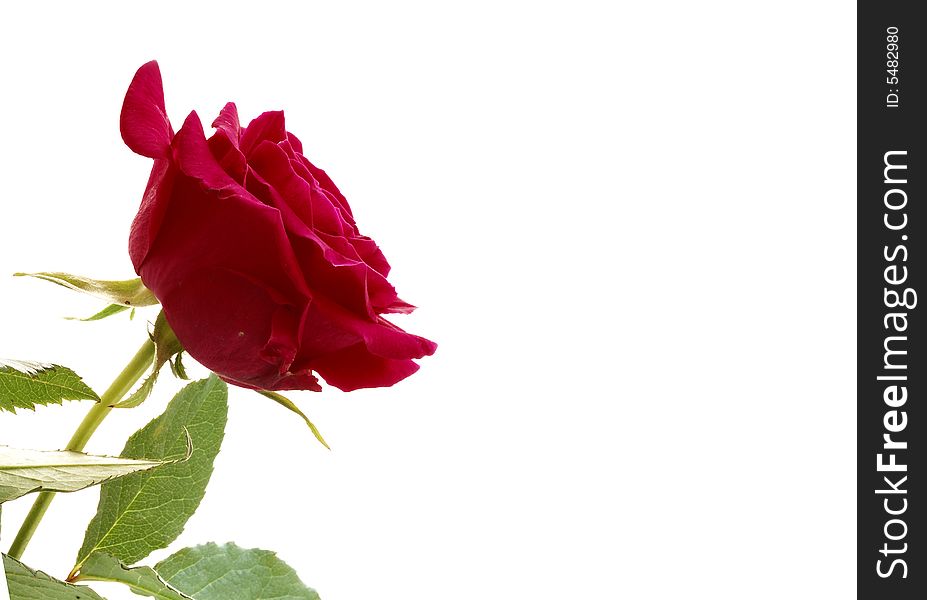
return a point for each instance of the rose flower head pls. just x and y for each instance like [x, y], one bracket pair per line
[255, 256]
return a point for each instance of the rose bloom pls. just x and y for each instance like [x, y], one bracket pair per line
[255, 256]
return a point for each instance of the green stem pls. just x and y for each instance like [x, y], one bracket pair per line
[137, 367]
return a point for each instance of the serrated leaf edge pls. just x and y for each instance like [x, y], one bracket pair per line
[78, 576]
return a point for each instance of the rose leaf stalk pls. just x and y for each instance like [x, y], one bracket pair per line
[133, 371]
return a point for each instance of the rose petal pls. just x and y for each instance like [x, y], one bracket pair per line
[327, 184]
[143, 122]
[341, 205]
[387, 340]
[354, 368]
[283, 342]
[380, 293]
[151, 211]
[295, 381]
[380, 337]
[291, 381]
[230, 158]
[294, 142]
[269, 126]
[371, 254]
[192, 154]
[224, 321]
[227, 123]
[400, 307]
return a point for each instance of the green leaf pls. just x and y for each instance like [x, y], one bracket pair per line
[166, 346]
[4, 591]
[129, 292]
[143, 512]
[26, 584]
[112, 309]
[227, 572]
[27, 384]
[25, 471]
[287, 403]
[144, 581]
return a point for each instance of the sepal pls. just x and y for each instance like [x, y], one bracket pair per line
[128, 292]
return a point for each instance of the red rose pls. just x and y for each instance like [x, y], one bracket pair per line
[255, 257]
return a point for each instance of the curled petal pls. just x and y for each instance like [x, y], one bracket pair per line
[352, 354]
[354, 368]
[269, 126]
[143, 123]
[291, 381]
[227, 123]
[380, 337]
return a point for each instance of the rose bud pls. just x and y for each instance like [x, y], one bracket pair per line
[255, 256]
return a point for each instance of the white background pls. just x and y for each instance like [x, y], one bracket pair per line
[630, 227]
